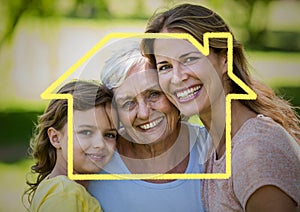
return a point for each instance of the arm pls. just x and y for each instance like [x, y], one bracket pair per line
[69, 202]
[270, 198]
[265, 169]
[62, 202]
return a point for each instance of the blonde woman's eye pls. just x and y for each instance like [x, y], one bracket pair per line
[190, 59]
[164, 68]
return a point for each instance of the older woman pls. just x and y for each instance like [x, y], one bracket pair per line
[153, 140]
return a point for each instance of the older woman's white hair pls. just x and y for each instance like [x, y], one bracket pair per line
[116, 68]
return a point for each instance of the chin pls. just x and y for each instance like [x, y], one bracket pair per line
[189, 111]
[150, 141]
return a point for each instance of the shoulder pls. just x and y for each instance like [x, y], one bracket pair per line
[262, 138]
[263, 133]
[60, 185]
[63, 194]
[264, 153]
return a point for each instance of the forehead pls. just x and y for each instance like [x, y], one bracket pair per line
[100, 116]
[173, 48]
[92, 113]
[137, 82]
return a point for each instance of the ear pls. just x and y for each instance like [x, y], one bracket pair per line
[54, 137]
[224, 61]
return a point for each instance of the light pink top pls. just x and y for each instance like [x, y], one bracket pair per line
[263, 153]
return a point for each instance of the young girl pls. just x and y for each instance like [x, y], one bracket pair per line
[94, 143]
[265, 132]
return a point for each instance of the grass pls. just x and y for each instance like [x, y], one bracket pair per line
[12, 183]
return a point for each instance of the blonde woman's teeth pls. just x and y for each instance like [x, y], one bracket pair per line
[151, 124]
[188, 93]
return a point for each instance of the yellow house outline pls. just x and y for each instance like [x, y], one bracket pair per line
[204, 49]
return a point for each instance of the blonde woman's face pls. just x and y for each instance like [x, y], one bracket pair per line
[191, 80]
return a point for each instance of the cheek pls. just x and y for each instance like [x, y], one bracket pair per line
[111, 145]
[126, 118]
[163, 80]
[168, 107]
[79, 146]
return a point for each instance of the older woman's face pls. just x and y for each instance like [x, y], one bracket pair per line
[144, 110]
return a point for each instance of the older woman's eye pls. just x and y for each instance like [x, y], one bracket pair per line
[154, 94]
[128, 105]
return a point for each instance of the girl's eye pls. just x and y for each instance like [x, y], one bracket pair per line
[85, 132]
[164, 68]
[110, 135]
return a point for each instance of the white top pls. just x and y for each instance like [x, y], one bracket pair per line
[138, 195]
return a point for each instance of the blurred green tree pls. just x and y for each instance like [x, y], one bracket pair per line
[90, 9]
[255, 26]
[12, 12]
[253, 15]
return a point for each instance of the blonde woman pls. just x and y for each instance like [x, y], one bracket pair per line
[265, 132]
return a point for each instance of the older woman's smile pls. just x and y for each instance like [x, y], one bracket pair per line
[151, 124]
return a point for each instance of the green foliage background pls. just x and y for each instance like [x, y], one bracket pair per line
[275, 40]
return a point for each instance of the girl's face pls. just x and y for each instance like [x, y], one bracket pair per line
[192, 81]
[94, 139]
[145, 112]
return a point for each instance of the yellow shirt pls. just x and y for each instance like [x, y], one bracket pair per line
[62, 194]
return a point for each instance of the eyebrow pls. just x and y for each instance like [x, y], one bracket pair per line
[180, 57]
[94, 127]
[85, 126]
[113, 129]
[193, 52]
[162, 62]
[122, 99]
[125, 97]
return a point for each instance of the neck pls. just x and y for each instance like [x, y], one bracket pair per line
[240, 115]
[214, 120]
[60, 168]
[215, 123]
[84, 183]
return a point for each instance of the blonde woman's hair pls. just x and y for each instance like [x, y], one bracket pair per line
[197, 20]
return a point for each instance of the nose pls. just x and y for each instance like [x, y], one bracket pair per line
[179, 73]
[98, 142]
[143, 110]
